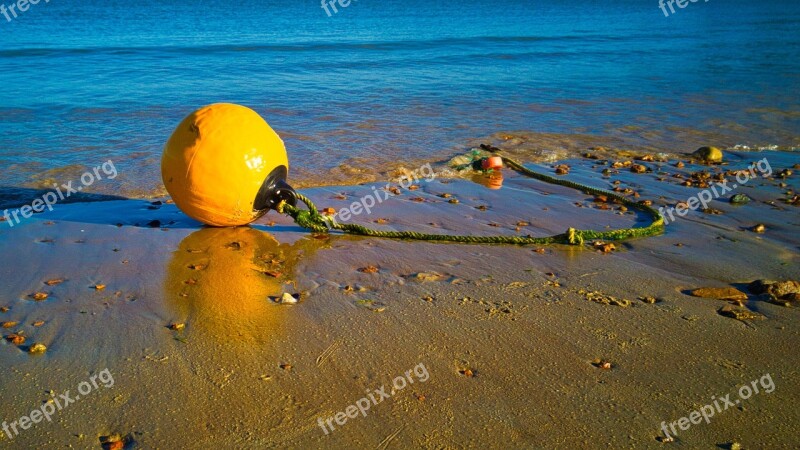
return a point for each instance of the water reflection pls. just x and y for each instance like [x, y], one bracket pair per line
[220, 280]
[492, 180]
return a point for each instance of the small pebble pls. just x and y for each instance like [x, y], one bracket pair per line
[37, 349]
[16, 339]
[288, 299]
[469, 373]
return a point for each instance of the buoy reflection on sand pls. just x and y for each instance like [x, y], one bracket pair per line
[220, 280]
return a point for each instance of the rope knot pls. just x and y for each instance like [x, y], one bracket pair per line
[574, 237]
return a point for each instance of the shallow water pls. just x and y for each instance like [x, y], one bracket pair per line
[381, 82]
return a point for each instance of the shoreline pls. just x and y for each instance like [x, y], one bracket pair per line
[528, 147]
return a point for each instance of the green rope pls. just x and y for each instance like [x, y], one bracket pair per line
[312, 219]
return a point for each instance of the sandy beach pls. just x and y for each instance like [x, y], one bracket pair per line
[498, 346]
[585, 271]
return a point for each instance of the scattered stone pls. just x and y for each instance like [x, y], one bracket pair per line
[116, 445]
[328, 211]
[39, 296]
[177, 326]
[599, 297]
[792, 200]
[16, 338]
[648, 299]
[286, 366]
[739, 313]
[708, 154]
[469, 373]
[99, 287]
[54, 281]
[787, 300]
[776, 288]
[727, 293]
[620, 164]
[759, 228]
[37, 349]
[453, 201]
[784, 293]
[605, 247]
[287, 299]
[38, 323]
[369, 269]
[602, 364]
[428, 276]
[115, 442]
[562, 169]
[739, 199]
[638, 168]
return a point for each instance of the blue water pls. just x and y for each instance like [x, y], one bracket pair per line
[82, 82]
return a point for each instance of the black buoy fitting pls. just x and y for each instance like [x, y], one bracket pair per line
[274, 190]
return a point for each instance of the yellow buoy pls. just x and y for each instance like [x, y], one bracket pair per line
[225, 166]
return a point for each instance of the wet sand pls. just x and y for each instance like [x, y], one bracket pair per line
[507, 334]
